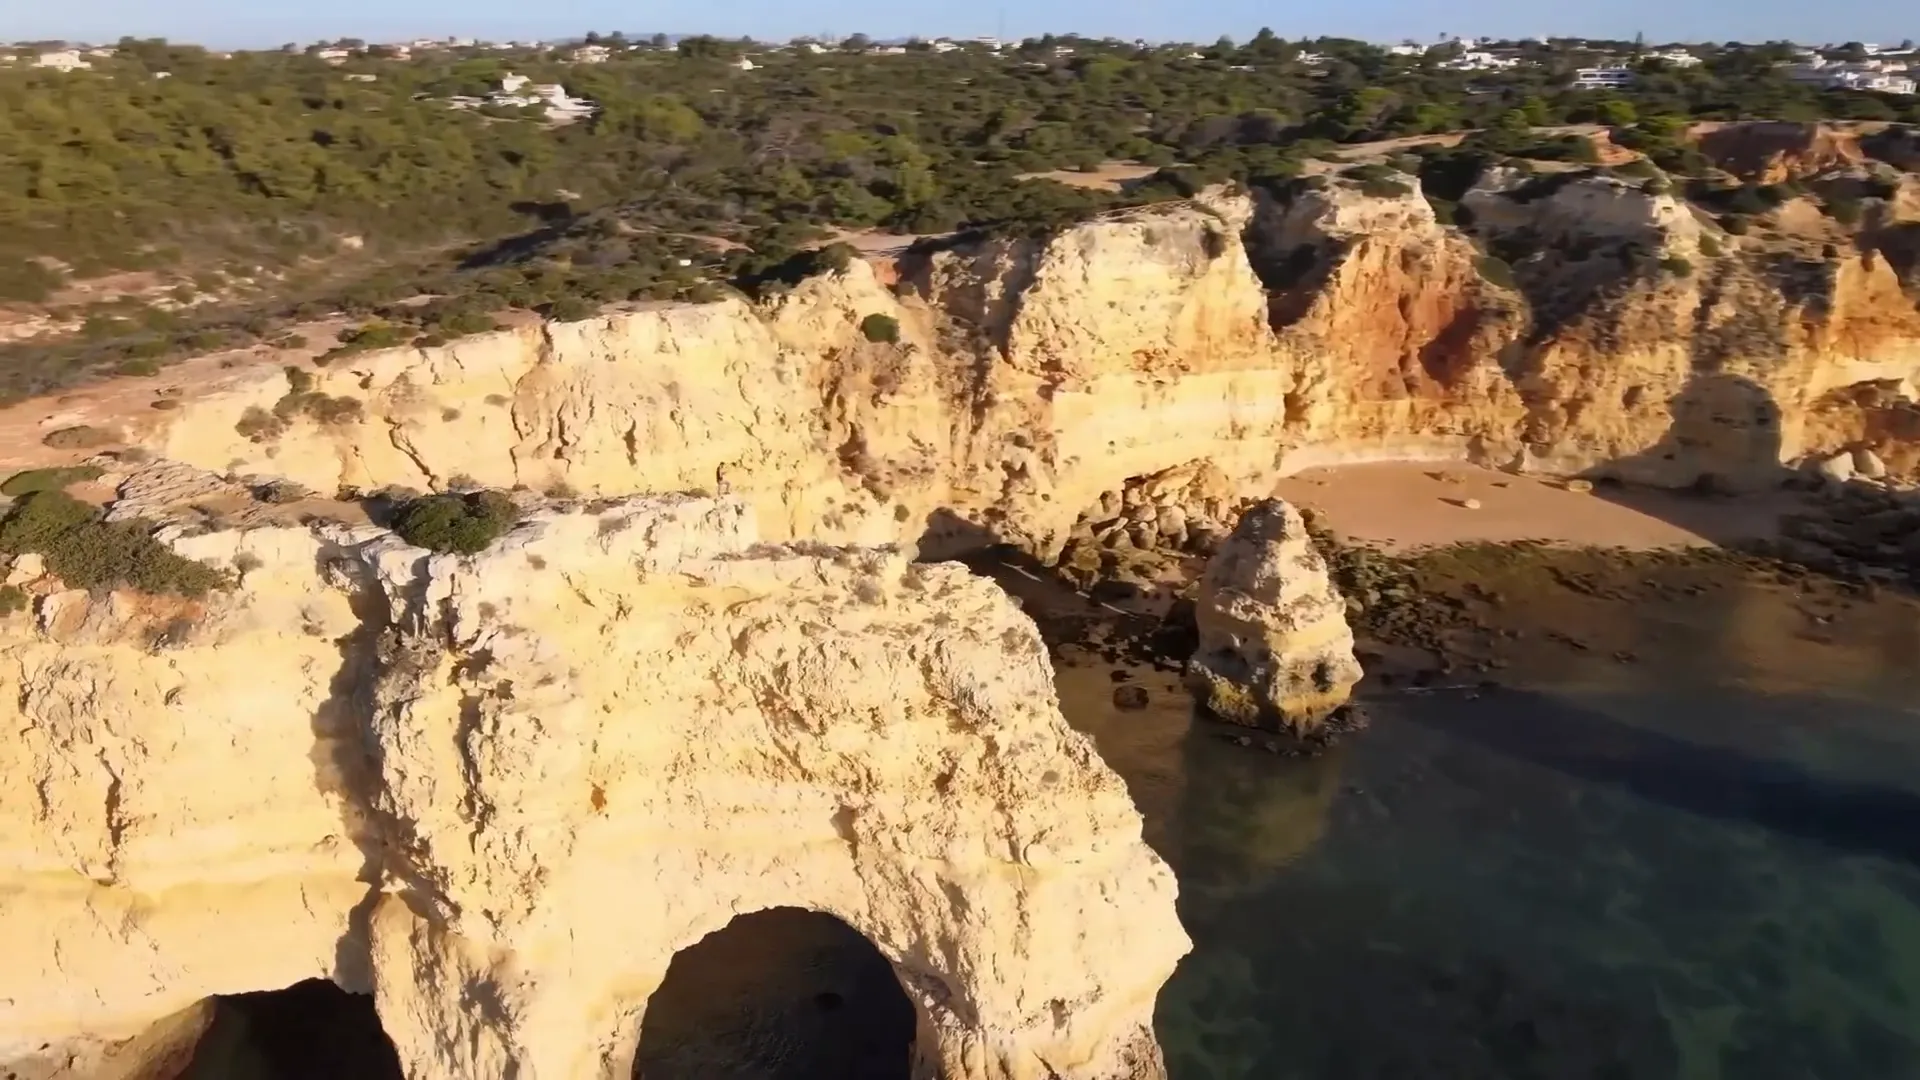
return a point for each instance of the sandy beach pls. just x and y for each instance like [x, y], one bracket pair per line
[1403, 506]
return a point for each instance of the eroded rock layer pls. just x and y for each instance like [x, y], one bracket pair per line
[1588, 324]
[500, 792]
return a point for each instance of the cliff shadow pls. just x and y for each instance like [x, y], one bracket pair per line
[1717, 782]
[779, 994]
[947, 534]
[312, 1030]
[1715, 471]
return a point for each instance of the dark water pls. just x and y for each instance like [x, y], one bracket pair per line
[1705, 867]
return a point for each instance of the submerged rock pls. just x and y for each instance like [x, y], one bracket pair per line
[1275, 648]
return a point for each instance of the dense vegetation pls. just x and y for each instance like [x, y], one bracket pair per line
[460, 522]
[267, 187]
[87, 552]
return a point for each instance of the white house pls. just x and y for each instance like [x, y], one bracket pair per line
[335, 56]
[744, 64]
[1679, 58]
[1602, 78]
[1474, 60]
[61, 60]
[358, 77]
[591, 54]
[1882, 82]
[1875, 75]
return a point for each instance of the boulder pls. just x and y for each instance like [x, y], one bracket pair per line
[1868, 464]
[1837, 468]
[1173, 523]
[1275, 650]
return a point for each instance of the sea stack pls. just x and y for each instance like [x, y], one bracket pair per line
[1275, 648]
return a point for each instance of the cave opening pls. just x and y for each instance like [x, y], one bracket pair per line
[780, 994]
[312, 1030]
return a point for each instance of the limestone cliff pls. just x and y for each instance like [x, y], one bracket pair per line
[1581, 325]
[1275, 649]
[500, 792]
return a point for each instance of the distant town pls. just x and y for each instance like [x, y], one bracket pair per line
[1605, 65]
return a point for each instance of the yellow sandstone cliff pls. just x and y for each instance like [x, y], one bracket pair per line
[500, 792]
[1629, 335]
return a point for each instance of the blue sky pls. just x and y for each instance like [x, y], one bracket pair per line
[233, 23]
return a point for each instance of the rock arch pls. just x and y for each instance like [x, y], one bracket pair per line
[312, 1030]
[784, 993]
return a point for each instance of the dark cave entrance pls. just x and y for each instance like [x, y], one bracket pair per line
[781, 994]
[312, 1030]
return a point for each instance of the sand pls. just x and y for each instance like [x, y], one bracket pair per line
[1403, 506]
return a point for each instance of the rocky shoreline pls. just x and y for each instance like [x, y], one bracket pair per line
[1468, 617]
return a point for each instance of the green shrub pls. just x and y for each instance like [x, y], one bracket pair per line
[881, 329]
[1737, 224]
[12, 599]
[1370, 171]
[1710, 247]
[1495, 270]
[79, 437]
[141, 368]
[1677, 266]
[26, 483]
[87, 553]
[257, 425]
[1843, 209]
[462, 523]
[570, 309]
[1385, 189]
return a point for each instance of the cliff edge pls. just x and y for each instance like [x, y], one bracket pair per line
[1586, 325]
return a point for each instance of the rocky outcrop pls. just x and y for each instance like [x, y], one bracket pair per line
[1275, 649]
[1584, 326]
[500, 792]
[1778, 151]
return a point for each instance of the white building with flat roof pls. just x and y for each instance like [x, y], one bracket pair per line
[1475, 60]
[62, 60]
[1602, 78]
[1679, 58]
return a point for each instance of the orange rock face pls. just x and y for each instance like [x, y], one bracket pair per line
[1771, 153]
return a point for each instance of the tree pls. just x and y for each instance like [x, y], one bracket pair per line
[1614, 112]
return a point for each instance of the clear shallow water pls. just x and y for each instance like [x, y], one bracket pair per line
[1667, 873]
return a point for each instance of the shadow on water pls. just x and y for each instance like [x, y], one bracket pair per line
[1718, 782]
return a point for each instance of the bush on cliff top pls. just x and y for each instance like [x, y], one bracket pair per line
[89, 553]
[464, 523]
[54, 479]
[880, 329]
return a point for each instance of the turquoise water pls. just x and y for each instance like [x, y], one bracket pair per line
[1701, 870]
